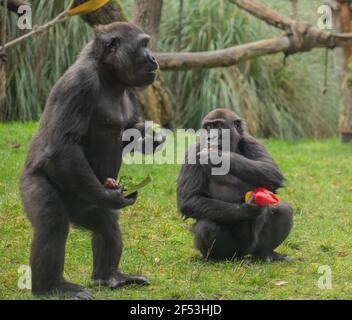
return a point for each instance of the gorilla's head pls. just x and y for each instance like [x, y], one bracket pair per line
[122, 50]
[224, 119]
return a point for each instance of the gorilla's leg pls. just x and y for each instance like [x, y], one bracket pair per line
[275, 229]
[51, 225]
[217, 242]
[107, 247]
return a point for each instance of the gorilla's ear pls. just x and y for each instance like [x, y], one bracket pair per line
[238, 123]
[106, 37]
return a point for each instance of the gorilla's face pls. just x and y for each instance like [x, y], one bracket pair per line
[221, 124]
[124, 49]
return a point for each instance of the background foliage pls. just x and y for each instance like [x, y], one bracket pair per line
[277, 101]
[35, 64]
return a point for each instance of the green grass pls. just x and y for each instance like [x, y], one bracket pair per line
[319, 176]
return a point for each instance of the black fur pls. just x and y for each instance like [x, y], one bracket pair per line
[78, 146]
[226, 227]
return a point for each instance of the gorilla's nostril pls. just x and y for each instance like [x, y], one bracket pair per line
[152, 59]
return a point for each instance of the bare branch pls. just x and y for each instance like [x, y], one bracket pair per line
[266, 14]
[221, 58]
[39, 29]
[310, 39]
[304, 36]
[300, 37]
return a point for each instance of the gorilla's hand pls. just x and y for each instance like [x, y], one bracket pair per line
[218, 157]
[252, 210]
[213, 157]
[116, 200]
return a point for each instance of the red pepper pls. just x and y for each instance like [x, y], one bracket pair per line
[262, 197]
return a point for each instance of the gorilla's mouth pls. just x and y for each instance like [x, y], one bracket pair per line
[214, 147]
[151, 69]
[215, 143]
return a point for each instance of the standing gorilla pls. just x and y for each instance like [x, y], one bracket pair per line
[79, 145]
[226, 227]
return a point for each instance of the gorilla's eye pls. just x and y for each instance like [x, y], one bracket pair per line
[113, 43]
[145, 43]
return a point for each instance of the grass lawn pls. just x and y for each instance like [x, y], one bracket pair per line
[319, 186]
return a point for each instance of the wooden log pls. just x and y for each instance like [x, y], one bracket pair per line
[147, 14]
[342, 22]
[221, 58]
[2, 64]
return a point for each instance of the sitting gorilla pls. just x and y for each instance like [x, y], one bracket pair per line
[78, 148]
[226, 226]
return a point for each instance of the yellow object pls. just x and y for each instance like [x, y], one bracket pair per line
[89, 6]
[248, 196]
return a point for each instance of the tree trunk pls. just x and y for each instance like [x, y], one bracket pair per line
[154, 100]
[294, 8]
[342, 20]
[147, 15]
[109, 13]
[2, 65]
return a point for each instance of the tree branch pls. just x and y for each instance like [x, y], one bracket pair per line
[266, 14]
[300, 37]
[233, 55]
[221, 58]
[38, 29]
[303, 35]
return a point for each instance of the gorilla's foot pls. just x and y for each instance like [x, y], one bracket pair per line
[274, 256]
[68, 290]
[119, 280]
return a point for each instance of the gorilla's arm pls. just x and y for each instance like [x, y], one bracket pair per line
[194, 201]
[255, 166]
[70, 172]
[70, 107]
